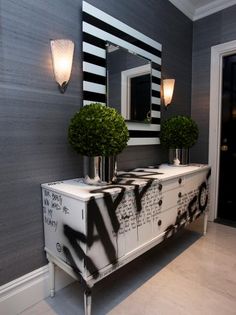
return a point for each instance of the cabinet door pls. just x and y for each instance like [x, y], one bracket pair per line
[164, 221]
[194, 195]
[63, 218]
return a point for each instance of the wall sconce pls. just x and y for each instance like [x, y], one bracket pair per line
[62, 58]
[168, 89]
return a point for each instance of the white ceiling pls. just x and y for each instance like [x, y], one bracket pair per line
[197, 9]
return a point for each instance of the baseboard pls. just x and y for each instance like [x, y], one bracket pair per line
[20, 294]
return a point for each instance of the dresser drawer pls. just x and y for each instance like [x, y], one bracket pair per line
[174, 183]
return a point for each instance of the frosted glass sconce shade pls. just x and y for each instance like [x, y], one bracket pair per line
[168, 89]
[62, 58]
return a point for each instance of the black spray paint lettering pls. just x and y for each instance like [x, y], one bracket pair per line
[71, 260]
[95, 219]
[47, 193]
[137, 192]
[58, 247]
[111, 205]
[54, 183]
[74, 236]
[198, 202]
[50, 222]
[65, 210]
[55, 205]
[202, 197]
[57, 198]
[50, 211]
[46, 202]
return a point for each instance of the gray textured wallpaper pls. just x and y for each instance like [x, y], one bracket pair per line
[207, 32]
[34, 116]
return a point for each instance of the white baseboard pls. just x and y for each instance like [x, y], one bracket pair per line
[20, 294]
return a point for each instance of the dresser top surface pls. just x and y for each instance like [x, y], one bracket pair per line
[77, 189]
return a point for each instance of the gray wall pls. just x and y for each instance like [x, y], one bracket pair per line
[212, 30]
[34, 115]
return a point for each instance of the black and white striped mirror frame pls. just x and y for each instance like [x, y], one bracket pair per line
[100, 28]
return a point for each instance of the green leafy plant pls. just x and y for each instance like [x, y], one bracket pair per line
[98, 130]
[179, 132]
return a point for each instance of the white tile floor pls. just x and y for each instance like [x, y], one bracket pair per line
[189, 274]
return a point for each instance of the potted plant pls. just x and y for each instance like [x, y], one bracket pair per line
[98, 131]
[178, 134]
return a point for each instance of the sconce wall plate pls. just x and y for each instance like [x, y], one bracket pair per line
[62, 58]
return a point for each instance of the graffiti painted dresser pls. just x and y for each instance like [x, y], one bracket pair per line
[90, 231]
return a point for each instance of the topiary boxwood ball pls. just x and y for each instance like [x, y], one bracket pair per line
[98, 130]
[179, 132]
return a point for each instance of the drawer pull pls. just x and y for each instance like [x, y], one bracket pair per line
[159, 223]
[179, 195]
[180, 180]
[160, 187]
[160, 202]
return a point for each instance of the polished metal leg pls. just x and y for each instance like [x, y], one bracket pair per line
[205, 220]
[51, 278]
[87, 302]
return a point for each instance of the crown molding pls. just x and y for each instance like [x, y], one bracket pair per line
[185, 6]
[197, 13]
[212, 7]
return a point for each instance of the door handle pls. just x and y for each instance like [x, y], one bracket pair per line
[224, 148]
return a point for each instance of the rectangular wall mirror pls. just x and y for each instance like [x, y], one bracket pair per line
[128, 84]
[133, 89]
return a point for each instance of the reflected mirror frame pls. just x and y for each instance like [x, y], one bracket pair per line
[149, 62]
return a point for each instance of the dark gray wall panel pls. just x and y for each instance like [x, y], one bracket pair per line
[207, 32]
[33, 124]
[34, 116]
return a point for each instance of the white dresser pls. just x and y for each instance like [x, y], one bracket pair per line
[90, 231]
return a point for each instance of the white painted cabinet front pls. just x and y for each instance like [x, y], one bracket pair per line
[95, 230]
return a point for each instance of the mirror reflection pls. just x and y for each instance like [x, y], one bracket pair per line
[129, 84]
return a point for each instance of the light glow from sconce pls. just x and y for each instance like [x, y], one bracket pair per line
[168, 89]
[62, 58]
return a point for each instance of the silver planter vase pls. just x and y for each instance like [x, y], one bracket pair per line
[179, 157]
[100, 170]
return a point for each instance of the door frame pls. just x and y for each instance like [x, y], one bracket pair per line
[126, 77]
[217, 54]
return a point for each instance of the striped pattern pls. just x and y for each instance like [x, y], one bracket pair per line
[99, 28]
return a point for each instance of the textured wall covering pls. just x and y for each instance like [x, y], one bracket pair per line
[210, 31]
[34, 116]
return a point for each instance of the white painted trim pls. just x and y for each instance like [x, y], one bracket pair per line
[143, 141]
[94, 87]
[22, 293]
[142, 126]
[90, 67]
[155, 114]
[217, 53]
[94, 50]
[126, 76]
[156, 100]
[212, 7]
[156, 87]
[156, 73]
[195, 13]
